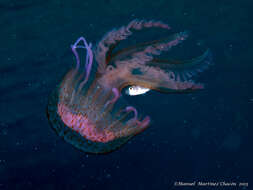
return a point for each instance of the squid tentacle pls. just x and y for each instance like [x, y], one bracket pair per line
[122, 33]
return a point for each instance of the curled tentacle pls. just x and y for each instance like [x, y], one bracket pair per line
[88, 63]
[89, 55]
[134, 121]
[131, 108]
[145, 122]
[115, 98]
[89, 58]
[133, 126]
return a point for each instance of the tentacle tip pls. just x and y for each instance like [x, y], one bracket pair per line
[145, 122]
[128, 108]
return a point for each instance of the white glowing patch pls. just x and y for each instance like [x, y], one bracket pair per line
[136, 90]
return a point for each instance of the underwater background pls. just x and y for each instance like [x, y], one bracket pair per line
[201, 136]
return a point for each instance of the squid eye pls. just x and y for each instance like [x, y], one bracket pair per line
[130, 88]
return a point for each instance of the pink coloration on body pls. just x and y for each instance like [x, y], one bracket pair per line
[83, 125]
[89, 112]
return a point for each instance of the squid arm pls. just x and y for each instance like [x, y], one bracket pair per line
[184, 69]
[129, 51]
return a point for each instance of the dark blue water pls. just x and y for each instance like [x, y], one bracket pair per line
[203, 136]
